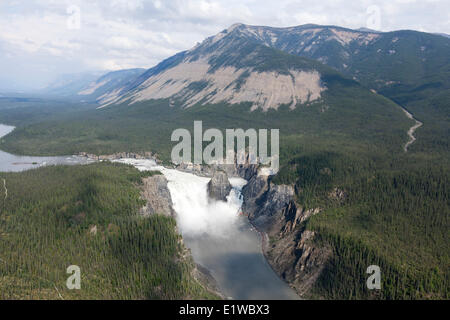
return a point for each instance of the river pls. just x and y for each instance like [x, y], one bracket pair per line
[411, 130]
[13, 163]
[219, 238]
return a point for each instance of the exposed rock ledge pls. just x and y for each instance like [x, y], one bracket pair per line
[287, 246]
[157, 195]
[245, 170]
[219, 186]
[159, 201]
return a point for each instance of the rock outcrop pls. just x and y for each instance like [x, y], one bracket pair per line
[243, 169]
[219, 187]
[159, 201]
[289, 247]
[157, 195]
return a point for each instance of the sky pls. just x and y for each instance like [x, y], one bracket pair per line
[41, 39]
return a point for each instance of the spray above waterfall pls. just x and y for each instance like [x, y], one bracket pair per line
[197, 214]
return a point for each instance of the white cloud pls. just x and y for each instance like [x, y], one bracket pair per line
[140, 33]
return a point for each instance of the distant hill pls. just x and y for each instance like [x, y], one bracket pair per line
[91, 87]
[109, 84]
[69, 84]
[444, 35]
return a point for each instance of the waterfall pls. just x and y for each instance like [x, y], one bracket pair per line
[219, 238]
[196, 214]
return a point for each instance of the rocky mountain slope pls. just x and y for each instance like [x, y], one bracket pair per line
[376, 59]
[109, 84]
[232, 68]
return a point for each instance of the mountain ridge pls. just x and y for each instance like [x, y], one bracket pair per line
[346, 50]
[224, 68]
[91, 86]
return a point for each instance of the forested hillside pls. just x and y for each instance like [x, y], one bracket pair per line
[390, 211]
[87, 216]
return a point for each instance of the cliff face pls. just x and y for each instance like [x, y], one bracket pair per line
[288, 247]
[159, 201]
[219, 187]
[157, 195]
[245, 170]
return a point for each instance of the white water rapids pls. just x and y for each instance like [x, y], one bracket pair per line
[219, 238]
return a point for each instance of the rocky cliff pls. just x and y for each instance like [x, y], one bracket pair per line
[219, 187]
[159, 201]
[244, 170]
[157, 195]
[287, 245]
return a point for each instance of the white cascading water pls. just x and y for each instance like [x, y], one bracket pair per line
[219, 238]
[196, 214]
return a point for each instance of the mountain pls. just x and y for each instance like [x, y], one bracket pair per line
[258, 64]
[67, 85]
[400, 61]
[233, 68]
[109, 84]
[376, 59]
[92, 87]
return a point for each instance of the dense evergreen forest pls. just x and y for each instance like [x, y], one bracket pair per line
[390, 211]
[87, 216]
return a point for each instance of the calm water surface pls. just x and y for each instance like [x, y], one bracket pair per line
[13, 163]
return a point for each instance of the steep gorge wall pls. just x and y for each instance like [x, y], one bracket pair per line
[288, 246]
[158, 199]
